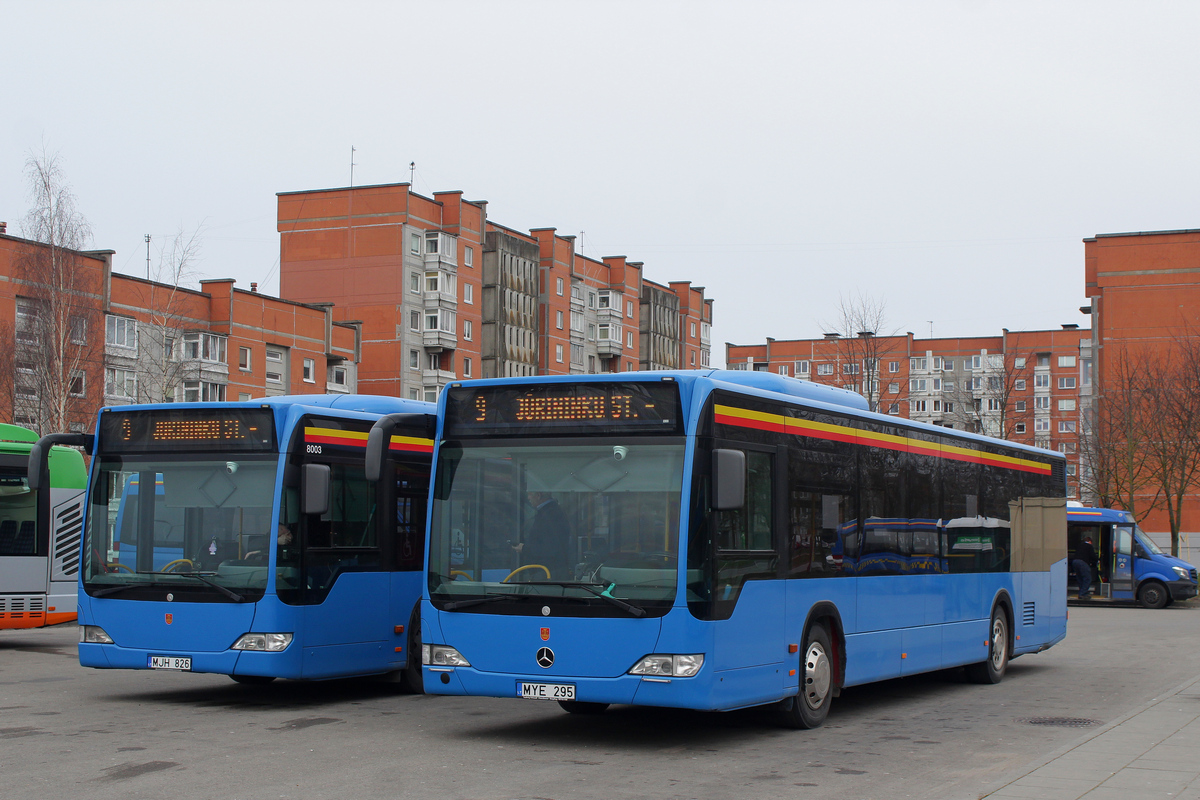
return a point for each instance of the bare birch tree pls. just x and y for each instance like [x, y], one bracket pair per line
[863, 343]
[57, 361]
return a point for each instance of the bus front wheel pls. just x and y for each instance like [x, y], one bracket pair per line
[809, 708]
[992, 670]
[1153, 594]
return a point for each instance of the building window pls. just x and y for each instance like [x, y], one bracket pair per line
[894, 387]
[414, 320]
[1041, 381]
[936, 384]
[468, 329]
[1066, 361]
[205, 347]
[78, 330]
[414, 394]
[1019, 427]
[558, 353]
[917, 363]
[949, 408]
[994, 404]
[1066, 447]
[783, 369]
[1041, 426]
[1066, 383]
[414, 282]
[468, 294]
[1070, 469]
[558, 319]
[466, 367]
[801, 367]
[628, 308]
[1066, 426]
[1066, 405]
[431, 394]
[605, 300]
[947, 386]
[1019, 385]
[468, 258]
[693, 330]
[1043, 359]
[440, 319]
[310, 367]
[824, 369]
[937, 405]
[918, 405]
[244, 362]
[1041, 404]
[274, 362]
[559, 286]
[591, 299]
[119, 331]
[849, 369]
[629, 339]
[339, 376]
[414, 359]
[894, 408]
[414, 243]
[433, 362]
[976, 362]
[78, 387]
[1086, 371]
[591, 332]
[1019, 406]
[120, 383]
[893, 366]
[431, 243]
[243, 397]
[917, 385]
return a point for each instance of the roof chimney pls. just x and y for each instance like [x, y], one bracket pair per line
[1070, 326]
[3, 227]
[253, 286]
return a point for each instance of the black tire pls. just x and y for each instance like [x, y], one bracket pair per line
[992, 670]
[580, 707]
[253, 680]
[1153, 594]
[809, 708]
[414, 680]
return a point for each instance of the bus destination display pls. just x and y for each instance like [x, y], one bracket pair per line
[564, 408]
[169, 430]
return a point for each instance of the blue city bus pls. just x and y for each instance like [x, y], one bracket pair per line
[263, 551]
[692, 539]
[1131, 566]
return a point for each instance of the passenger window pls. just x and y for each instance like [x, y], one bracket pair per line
[343, 539]
[745, 545]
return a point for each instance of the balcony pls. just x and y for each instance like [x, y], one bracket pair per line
[609, 347]
[437, 341]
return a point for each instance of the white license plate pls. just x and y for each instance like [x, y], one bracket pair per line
[546, 691]
[182, 663]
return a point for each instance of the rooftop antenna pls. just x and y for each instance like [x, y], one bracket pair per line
[147, 256]
[352, 166]
[412, 172]
[582, 252]
[930, 328]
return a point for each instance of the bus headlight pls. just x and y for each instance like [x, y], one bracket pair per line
[669, 666]
[93, 634]
[1183, 574]
[267, 642]
[440, 655]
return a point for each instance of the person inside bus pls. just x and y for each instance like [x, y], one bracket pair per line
[1083, 563]
[547, 539]
[284, 534]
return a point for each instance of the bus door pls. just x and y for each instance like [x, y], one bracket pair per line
[405, 532]
[342, 582]
[1122, 562]
[749, 601]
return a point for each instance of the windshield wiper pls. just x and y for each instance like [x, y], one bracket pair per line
[594, 589]
[478, 601]
[114, 589]
[232, 595]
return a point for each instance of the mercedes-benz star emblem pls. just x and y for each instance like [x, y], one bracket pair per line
[545, 658]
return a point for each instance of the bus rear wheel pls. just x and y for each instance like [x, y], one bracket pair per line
[1153, 594]
[992, 670]
[253, 680]
[580, 707]
[809, 708]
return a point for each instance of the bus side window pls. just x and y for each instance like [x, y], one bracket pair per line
[745, 548]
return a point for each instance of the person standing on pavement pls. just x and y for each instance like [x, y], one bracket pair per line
[1083, 563]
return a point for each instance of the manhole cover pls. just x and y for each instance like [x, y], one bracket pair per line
[1063, 722]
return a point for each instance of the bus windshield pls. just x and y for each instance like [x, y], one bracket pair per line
[18, 514]
[1146, 542]
[557, 518]
[205, 526]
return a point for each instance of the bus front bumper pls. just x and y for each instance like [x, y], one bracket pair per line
[286, 664]
[1181, 590]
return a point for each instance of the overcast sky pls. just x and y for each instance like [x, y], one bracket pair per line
[947, 157]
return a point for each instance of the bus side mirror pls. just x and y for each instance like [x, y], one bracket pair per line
[39, 454]
[314, 489]
[380, 438]
[729, 479]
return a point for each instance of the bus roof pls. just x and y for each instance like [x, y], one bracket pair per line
[1098, 515]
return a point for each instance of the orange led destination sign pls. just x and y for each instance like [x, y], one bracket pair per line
[184, 429]
[627, 406]
[745, 418]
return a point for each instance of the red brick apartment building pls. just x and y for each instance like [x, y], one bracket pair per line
[444, 293]
[134, 340]
[1144, 290]
[1021, 385]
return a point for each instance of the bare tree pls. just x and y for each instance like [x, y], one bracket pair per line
[57, 314]
[863, 343]
[160, 366]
